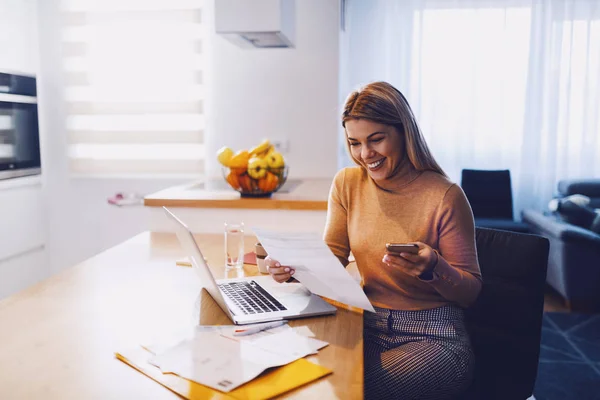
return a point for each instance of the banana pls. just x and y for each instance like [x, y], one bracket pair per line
[224, 155]
[261, 148]
[239, 160]
[269, 151]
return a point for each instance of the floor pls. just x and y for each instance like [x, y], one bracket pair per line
[553, 301]
[583, 359]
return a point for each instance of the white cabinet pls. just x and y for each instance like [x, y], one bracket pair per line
[23, 257]
[22, 220]
[22, 271]
[22, 223]
[18, 36]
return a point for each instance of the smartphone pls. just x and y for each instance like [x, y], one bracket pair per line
[402, 248]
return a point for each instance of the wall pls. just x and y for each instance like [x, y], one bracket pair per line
[22, 218]
[289, 94]
[277, 93]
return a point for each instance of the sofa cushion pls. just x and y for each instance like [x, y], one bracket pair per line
[596, 224]
[588, 187]
[575, 210]
[553, 226]
[595, 203]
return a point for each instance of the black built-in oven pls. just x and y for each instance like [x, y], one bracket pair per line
[19, 129]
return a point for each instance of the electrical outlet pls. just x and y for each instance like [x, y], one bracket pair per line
[281, 145]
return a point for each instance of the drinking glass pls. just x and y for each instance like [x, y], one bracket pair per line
[234, 245]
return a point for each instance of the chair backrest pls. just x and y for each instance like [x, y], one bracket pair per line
[489, 192]
[505, 322]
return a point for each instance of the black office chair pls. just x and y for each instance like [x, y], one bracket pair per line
[490, 194]
[505, 323]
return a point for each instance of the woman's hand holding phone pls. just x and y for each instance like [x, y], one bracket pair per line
[414, 259]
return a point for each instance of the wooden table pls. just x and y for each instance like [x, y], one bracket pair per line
[58, 338]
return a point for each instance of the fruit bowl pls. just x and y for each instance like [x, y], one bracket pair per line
[255, 182]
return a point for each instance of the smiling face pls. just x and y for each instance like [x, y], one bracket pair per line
[379, 148]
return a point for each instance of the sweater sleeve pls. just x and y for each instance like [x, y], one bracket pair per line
[336, 226]
[457, 273]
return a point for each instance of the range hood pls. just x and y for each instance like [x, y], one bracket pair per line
[256, 23]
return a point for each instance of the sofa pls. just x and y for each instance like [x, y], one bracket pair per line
[573, 230]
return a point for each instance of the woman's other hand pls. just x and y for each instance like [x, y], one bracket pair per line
[280, 273]
[413, 264]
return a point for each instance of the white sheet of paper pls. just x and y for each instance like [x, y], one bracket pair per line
[315, 265]
[304, 331]
[229, 332]
[289, 342]
[215, 360]
[291, 336]
[218, 362]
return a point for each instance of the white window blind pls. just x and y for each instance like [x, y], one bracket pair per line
[134, 86]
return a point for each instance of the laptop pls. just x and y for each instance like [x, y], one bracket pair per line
[250, 300]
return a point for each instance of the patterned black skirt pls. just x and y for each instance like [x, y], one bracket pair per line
[423, 354]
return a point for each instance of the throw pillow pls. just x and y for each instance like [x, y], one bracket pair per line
[574, 210]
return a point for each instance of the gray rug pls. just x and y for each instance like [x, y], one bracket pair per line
[569, 367]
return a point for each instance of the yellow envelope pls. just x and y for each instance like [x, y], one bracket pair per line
[267, 385]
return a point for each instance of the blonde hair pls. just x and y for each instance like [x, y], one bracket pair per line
[382, 103]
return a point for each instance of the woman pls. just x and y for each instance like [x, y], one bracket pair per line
[416, 345]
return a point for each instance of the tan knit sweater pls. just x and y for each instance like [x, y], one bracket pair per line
[362, 218]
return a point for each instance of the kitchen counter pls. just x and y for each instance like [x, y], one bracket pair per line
[305, 194]
[300, 205]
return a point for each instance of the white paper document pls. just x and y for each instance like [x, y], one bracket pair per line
[304, 331]
[316, 266]
[217, 359]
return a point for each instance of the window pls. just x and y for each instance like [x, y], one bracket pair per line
[469, 77]
[577, 117]
[134, 73]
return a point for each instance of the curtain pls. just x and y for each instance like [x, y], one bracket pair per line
[134, 86]
[495, 84]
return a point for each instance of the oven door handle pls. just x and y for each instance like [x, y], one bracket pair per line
[17, 98]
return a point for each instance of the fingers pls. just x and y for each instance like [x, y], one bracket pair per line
[397, 259]
[423, 254]
[412, 264]
[279, 272]
[426, 254]
[400, 263]
[413, 258]
[281, 277]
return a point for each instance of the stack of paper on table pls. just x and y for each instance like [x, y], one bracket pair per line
[212, 360]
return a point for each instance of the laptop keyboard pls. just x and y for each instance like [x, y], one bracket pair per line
[250, 297]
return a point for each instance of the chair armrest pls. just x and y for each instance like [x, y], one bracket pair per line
[552, 226]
